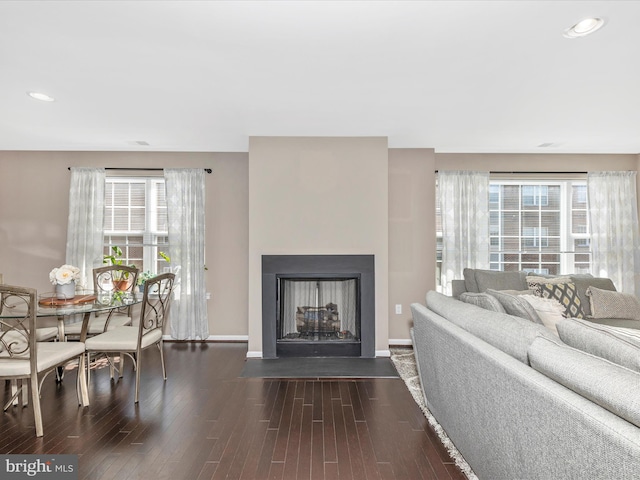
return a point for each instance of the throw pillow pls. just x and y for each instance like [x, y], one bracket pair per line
[607, 304]
[566, 295]
[548, 309]
[516, 306]
[585, 281]
[534, 281]
[616, 344]
[482, 300]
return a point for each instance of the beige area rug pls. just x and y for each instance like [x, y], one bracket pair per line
[405, 362]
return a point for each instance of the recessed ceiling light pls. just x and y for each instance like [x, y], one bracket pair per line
[584, 27]
[41, 96]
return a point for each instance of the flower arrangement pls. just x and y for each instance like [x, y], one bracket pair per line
[64, 275]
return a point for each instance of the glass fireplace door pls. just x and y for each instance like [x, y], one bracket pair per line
[319, 310]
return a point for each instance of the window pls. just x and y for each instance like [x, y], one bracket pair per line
[535, 226]
[135, 219]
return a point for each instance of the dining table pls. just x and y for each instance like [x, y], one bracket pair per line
[79, 308]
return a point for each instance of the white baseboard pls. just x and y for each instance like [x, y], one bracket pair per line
[400, 341]
[254, 354]
[383, 353]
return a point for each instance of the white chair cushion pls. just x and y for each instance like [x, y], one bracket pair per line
[50, 354]
[96, 325]
[46, 333]
[121, 339]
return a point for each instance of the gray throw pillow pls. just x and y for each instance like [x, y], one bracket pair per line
[611, 386]
[482, 300]
[618, 345]
[516, 306]
[582, 282]
[607, 304]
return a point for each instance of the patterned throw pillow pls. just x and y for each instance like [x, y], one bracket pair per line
[607, 304]
[566, 295]
[534, 281]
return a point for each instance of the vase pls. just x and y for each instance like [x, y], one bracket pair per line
[66, 291]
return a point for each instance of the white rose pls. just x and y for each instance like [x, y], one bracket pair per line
[64, 275]
[75, 271]
[52, 276]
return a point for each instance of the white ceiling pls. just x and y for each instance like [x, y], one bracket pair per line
[473, 76]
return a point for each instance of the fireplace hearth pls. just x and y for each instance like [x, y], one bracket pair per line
[318, 306]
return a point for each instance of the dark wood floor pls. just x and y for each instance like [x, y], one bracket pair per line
[207, 423]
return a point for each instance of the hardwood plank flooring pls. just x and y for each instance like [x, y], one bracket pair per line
[205, 422]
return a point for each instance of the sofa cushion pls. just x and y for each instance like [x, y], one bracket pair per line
[618, 345]
[470, 283]
[515, 305]
[510, 334]
[611, 386]
[608, 304]
[478, 281]
[566, 295]
[482, 300]
[582, 282]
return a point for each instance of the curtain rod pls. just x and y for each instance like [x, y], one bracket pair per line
[150, 169]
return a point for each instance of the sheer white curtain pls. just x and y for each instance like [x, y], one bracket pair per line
[185, 211]
[614, 228]
[297, 293]
[464, 206]
[85, 229]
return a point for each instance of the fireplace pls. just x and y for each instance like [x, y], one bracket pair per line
[318, 306]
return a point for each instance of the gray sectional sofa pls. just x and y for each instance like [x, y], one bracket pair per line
[520, 402]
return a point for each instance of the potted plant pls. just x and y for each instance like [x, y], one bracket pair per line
[143, 277]
[120, 278]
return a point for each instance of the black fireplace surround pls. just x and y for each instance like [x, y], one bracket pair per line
[277, 267]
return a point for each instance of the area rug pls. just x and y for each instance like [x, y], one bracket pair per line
[405, 362]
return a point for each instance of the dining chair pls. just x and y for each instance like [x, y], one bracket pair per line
[43, 334]
[131, 340]
[107, 281]
[23, 358]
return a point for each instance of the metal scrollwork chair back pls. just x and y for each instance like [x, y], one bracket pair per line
[22, 357]
[131, 340]
[108, 281]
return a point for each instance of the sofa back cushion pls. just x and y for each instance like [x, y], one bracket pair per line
[618, 345]
[611, 386]
[478, 281]
[510, 334]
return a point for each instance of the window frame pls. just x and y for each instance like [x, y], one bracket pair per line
[568, 237]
